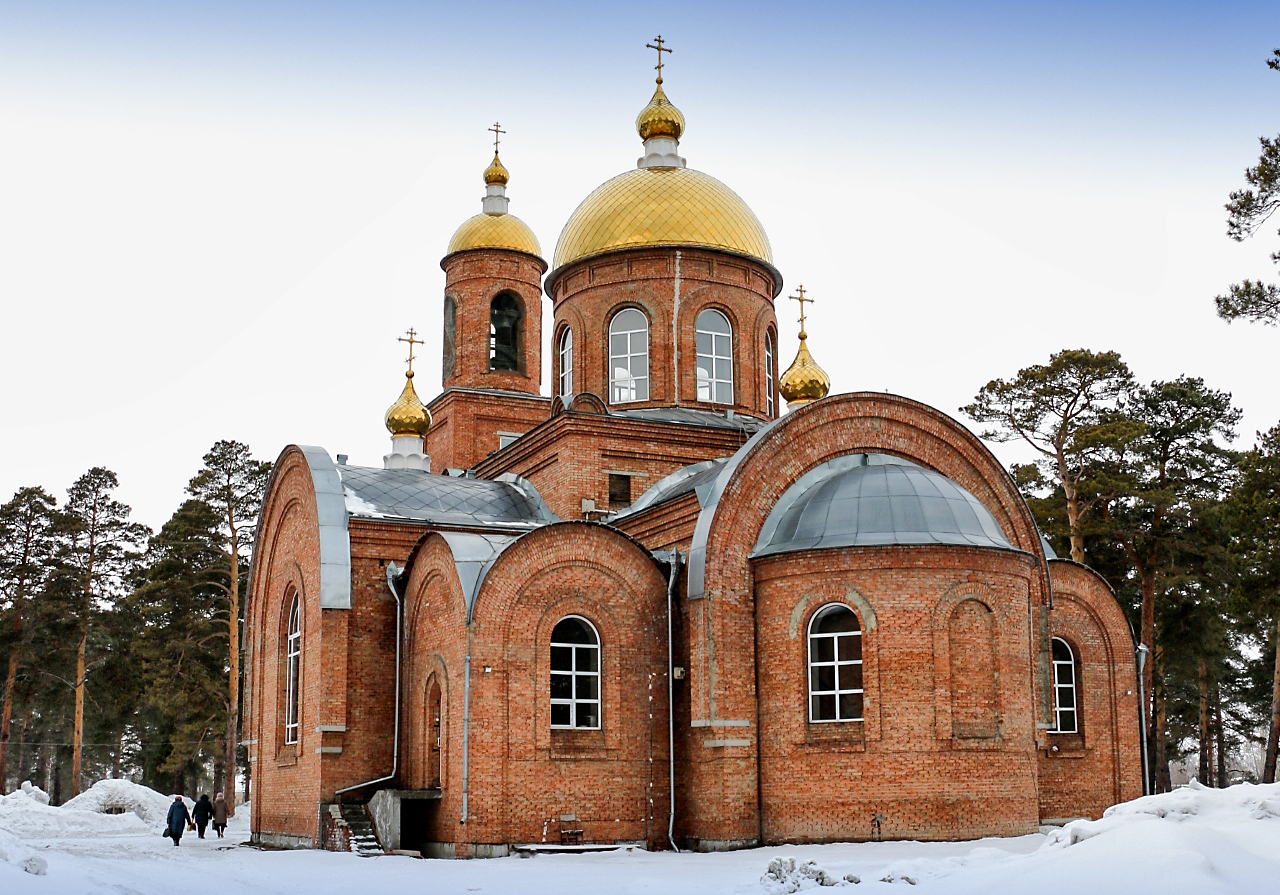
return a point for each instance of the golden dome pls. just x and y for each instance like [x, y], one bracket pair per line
[407, 416]
[660, 118]
[496, 172]
[662, 207]
[804, 380]
[495, 231]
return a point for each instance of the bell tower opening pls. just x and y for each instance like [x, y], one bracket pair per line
[505, 319]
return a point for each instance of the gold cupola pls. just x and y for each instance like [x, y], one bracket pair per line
[494, 227]
[408, 415]
[804, 381]
[660, 118]
[496, 172]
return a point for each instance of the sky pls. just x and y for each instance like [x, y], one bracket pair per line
[217, 218]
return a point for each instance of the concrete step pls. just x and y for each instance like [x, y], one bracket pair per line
[364, 840]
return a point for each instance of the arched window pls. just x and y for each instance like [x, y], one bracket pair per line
[714, 339]
[450, 335]
[835, 665]
[575, 674]
[628, 357]
[1064, 688]
[504, 333]
[292, 673]
[769, 401]
[566, 364]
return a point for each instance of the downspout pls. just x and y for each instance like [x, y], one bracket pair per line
[1142, 718]
[392, 573]
[675, 334]
[466, 730]
[672, 573]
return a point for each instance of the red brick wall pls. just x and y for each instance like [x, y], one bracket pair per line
[589, 294]
[466, 424]
[928, 775]
[1087, 773]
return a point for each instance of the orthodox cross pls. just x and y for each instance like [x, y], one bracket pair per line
[802, 299]
[412, 341]
[497, 129]
[657, 45]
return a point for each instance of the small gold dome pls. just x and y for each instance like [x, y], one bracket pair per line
[495, 231]
[648, 207]
[496, 172]
[804, 380]
[660, 118]
[407, 416]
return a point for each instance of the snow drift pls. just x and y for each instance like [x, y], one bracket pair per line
[151, 806]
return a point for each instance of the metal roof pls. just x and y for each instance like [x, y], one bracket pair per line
[694, 477]
[415, 495]
[690, 416]
[864, 500]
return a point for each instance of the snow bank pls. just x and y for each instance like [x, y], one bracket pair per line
[786, 875]
[151, 806]
[14, 852]
[26, 817]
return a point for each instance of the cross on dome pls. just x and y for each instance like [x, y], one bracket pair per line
[657, 45]
[412, 341]
[801, 298]
[497, 131]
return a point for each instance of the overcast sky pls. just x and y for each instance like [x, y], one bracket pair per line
[216, 218]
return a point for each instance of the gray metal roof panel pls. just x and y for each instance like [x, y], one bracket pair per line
[335, 541]
[419, 496]
[691, 416]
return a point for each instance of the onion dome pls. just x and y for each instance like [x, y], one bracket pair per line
[804, 380]
[407, 416]
[660, 118]
[496, 172]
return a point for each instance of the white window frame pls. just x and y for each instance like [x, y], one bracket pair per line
[769, 400]
[1060, 688]
[714, 351]
[836, 663]
[293, 673]
[574, 674]
[629, 368]
[566, 364]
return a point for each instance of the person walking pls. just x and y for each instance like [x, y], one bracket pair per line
[219, 814]
[177, 819]
[201, 814]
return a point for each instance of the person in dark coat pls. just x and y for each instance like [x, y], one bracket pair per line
[220, 814]
[177, 819]
[201, 814]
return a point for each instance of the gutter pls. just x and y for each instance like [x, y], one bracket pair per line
[466, 730]
[673, 572]
[392, 573]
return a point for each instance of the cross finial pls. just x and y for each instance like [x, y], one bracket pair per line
[801, 298]
[497, 130]
[412, 341]
[657, 45]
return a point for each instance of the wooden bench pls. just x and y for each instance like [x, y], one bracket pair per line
[570, 831]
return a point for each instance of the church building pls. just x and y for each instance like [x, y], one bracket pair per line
[653, 607]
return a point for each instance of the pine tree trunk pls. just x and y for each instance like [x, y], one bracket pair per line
[1204, 772]
[6, 716]
[115, 761]
[77, 735]
[1162, 759]
[1148, 670]
[1221, 735]
[1269, 768]
[23, 736]
[233, 711]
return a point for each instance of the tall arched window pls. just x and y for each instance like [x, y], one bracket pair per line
[628, 357]
[566, 364]
[292, 673]
[769, 400]
[1064, 688]
[835, 665]
[504, 333]
[575, 674]
[714, 339]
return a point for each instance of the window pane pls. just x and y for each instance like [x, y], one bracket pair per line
[618, 345]
[561, 658]
[640, 342]
[588, 715]
[1066, 697]
[1061, 652]
[822, 649]
[850, 706]
[836, 619]
[1066, 673]
[587, 658]
[585, 684]
[724, 370]
[642, 389]
[572, 630]
[851, 677]
[561, 686]
[560, 715]
[850, 647]
[704, 343]
[823, 677]
[724, 393]
[1067, 722]
[824, 708]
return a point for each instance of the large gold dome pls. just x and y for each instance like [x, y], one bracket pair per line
[661, 207]
[495, 231]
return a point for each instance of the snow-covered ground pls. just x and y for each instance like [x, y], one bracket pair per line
[1193, 840]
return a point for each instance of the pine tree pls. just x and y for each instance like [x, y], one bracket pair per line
[232, 483]
[26, 549]
[1247, 211]
[1066, 411]
[101, 546]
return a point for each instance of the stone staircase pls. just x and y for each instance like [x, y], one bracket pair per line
[364, 841]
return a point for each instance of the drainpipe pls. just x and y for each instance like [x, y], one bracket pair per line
[672, 573]
[1142, 718]
[466, 730]
[392, 573]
